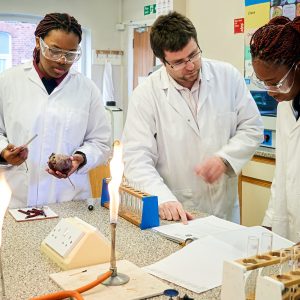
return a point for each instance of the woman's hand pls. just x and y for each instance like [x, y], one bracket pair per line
[15, 155]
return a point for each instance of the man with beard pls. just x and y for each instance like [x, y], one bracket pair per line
[191, 127]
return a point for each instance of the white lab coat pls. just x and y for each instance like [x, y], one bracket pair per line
[71, 119]
[284, 205]
[108, 85]
[163, 144]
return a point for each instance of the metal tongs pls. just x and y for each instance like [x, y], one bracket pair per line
[25, 145]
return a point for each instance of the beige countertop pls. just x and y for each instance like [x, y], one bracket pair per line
[26, 270]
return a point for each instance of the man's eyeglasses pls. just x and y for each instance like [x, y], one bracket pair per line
[56, 54]
[283, 86]
[181, 64]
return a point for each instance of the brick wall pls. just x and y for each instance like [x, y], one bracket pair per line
[22, 40]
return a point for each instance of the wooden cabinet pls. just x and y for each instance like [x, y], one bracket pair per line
[254, 189]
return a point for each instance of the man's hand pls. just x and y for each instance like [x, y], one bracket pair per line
[77, 160]
[15, 155]
[173, 210]
[211, 169]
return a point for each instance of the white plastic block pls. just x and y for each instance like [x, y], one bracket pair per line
[64, 237]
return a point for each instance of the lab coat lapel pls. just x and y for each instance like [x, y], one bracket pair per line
[177, 102]
[296, 126]
[293, 124]
[61, 85]
[33, 75]
[205, 86]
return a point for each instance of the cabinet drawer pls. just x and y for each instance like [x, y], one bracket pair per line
[259, 170]
[255, 202]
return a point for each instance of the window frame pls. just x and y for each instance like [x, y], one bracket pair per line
[8, 56]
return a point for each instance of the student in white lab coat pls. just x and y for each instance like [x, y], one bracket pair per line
[63, 107]
[275, 50]
[191, 126]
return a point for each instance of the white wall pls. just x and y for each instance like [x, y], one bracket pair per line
[100, 16]
[214, 23]
[212, 19]
[133, 10]
[132, 15]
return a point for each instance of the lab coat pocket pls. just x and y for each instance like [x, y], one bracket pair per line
[226, 125]
[293, 202]
[75, 128]
[222, 195]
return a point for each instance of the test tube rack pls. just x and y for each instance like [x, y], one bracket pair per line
[137, 207]
[279, 287]
[267, 287]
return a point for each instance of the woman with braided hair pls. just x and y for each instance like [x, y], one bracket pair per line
[275, 50]
[45, 97]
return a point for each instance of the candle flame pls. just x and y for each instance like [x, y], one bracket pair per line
[5, 194]
[116, 172]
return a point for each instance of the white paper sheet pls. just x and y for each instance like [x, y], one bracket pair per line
[196, 229]
[199, 265]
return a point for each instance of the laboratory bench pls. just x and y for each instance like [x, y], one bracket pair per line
[26, 269]
[265, 152]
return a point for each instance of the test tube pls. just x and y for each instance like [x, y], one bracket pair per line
[266, 243]
[285, 260]
[252, 245]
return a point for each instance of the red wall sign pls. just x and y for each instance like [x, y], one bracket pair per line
[239, 25]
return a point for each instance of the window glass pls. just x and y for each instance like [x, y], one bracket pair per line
[5, 50]
[2, 65]
[4, 43]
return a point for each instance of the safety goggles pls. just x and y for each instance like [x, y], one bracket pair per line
[181, 64]
[56, 54]
[283, 86]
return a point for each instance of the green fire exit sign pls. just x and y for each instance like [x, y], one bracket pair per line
[149, 9]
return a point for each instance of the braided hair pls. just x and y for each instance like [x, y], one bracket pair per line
[277, 42]
[61, 21]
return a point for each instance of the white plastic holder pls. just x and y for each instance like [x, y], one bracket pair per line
[234, 284]
[74, 243]
[234, 281]
[268, 288]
